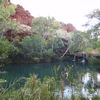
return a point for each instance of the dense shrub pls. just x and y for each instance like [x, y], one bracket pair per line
[34, 89]
[6, 49]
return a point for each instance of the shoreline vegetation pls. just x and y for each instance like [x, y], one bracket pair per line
[26, 39]
[42, 39]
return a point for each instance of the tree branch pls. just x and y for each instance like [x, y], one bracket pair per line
[65, 52]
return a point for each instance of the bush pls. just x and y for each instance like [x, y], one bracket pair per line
[32, 46]
[34, 89]
[6, 49]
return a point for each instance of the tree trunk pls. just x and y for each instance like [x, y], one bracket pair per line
[65, 52]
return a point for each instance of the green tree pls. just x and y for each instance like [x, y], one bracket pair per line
[5, 21]
[94, 16]
[37, 46]
[6, 49]
[32, 46]
[78, 41]
[94, 31]
[43, 25]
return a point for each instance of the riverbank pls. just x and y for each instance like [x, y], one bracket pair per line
[69, 58]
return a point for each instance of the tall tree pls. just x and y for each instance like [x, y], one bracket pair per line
[94, 22]
[43, 25]
[5, 21]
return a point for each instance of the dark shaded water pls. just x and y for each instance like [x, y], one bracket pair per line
[15, 71]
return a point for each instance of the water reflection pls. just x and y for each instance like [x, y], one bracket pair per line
[84, 79]
[89, 86]
[98, 77]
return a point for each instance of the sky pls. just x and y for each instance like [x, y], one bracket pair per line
[67, 11]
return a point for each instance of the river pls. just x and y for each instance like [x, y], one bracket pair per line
[13, 72]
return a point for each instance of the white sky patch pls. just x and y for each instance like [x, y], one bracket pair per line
[68, 11]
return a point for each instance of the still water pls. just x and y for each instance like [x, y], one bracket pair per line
[12, 72]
